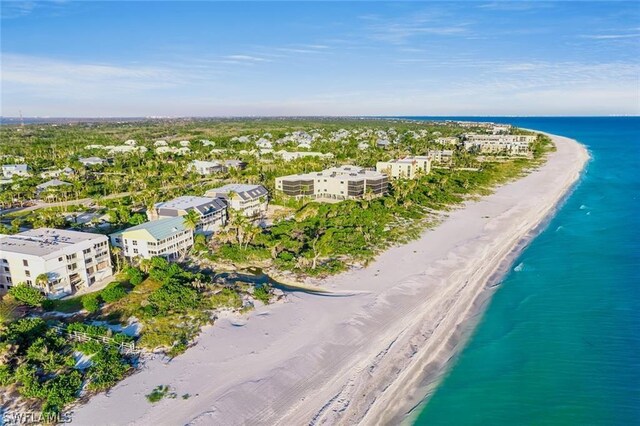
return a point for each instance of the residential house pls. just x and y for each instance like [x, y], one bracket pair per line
[168, 238]
[335, 183]
[67, 171]
[11, 170]
[92, 161]
[53, 183]
[408, 167]
[207, 167]
[70, 260]
[252, 200]
[212, 211]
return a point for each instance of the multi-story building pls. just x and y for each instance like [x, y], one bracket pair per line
[168, 238]
[510, 144]
[408, 167]
[252, 200]
[442, 156]
[206, 167]
[212, 211]
[69, 260]
[335, 183]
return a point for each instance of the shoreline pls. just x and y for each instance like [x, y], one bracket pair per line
[367, 358]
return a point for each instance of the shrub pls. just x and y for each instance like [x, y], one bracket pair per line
[26, 294]
[225, 298]
[134, 275]
[262, 293]
[90, 302]
[158, 393]
[112, 292]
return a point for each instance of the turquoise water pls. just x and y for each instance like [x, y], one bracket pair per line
[560, 341]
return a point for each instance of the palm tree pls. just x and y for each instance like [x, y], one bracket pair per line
[42, 280]
[117, 252]
[191, 219]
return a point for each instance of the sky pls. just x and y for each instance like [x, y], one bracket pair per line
[166, 58]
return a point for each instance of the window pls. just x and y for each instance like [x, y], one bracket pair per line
[29, 282]
[8, 279]
[27, 273]
[135, 243]
[85, 251]
[135, 251]
[59, 259]
[24, 262]
[6, 269]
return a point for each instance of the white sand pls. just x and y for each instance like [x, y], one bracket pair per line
[365, 358]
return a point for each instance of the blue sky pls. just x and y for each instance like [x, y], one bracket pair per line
[66, 58]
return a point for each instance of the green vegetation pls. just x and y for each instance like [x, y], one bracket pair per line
[90, 302]
[161, 392]
[26, 294]
[39, 363]
[112, 292]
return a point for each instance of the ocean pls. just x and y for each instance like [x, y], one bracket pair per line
[559, 343]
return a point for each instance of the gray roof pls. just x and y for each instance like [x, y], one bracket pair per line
[204, 205]
[160, 229]
[244, 191]
[20, 167]
[45, 242]
[91, 160]
[51, 183]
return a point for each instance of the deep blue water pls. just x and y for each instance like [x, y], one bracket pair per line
[560, 341]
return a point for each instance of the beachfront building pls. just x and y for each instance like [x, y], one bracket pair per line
[335, 183]
[168, 238]
[442, 156]
[252, 200]
[212, 211]
[408, 167]
[495, 144]
[11, 170]
[68, 260]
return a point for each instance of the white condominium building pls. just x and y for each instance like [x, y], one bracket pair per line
[168, 238]
[70, 260]
[408, 167]
[510, 144]
[335, 183]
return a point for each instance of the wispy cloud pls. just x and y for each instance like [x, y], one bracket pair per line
[610, 36]
[45, 77]
[401, 30]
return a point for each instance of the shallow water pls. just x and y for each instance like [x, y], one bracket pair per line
[560, 341]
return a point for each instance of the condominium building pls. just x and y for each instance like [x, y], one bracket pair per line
[206, 167]
[442, 156]
[335, 183]
[212, 211]
[168, 238]
[70, 260]
[408, 167]
[252, 200]
[510, 144]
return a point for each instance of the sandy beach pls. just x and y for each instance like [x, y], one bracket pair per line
[365, 355]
